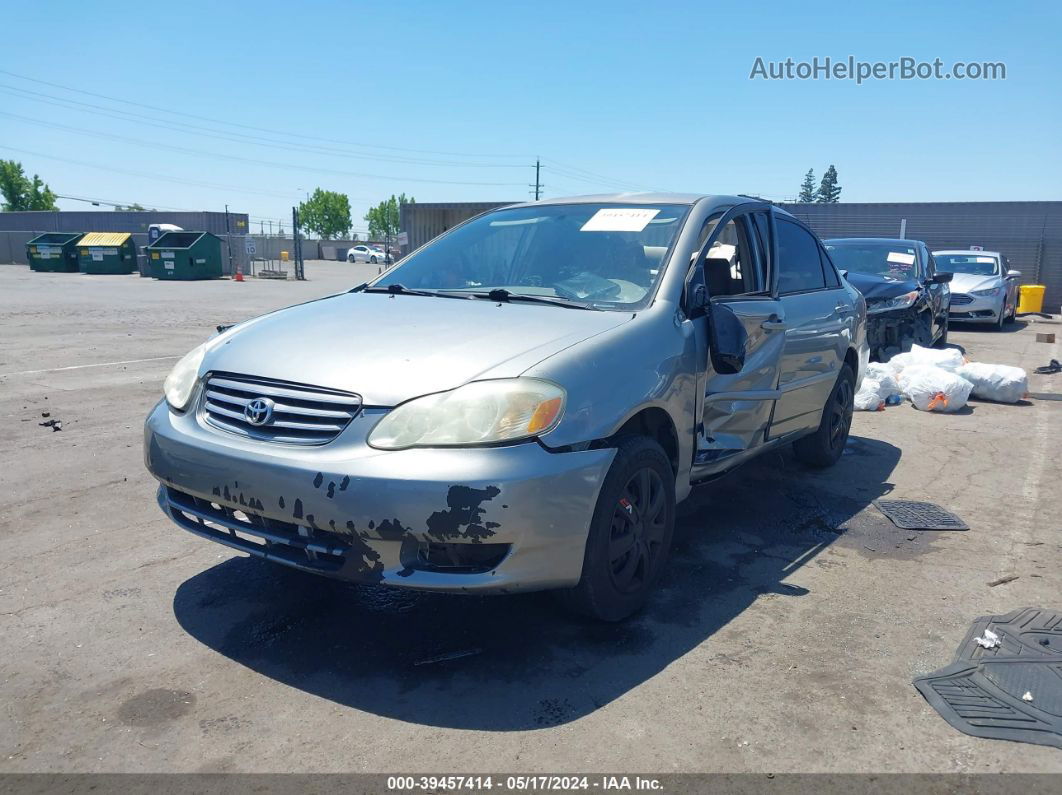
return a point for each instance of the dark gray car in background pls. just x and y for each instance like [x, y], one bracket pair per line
[907, 297]
[519, 404]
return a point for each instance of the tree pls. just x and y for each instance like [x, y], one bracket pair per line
[829, 190]
[22, 193]
[807, 187]
[383, 219]
[326, 213]
[135, 207]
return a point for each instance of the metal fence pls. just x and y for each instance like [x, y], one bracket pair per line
[1029, 233]
[121, 221]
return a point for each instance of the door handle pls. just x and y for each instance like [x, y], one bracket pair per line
[842, 309]
[773, 323]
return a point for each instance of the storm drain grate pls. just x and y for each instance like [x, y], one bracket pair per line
[911, 515]
[1008, 688]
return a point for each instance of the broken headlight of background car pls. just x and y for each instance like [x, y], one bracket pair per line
[483, 412]
[898, 302]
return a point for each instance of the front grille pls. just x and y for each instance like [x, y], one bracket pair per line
[957, 299]
[301, 414]
[296, 545]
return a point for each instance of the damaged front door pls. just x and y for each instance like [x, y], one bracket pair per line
[746, 334]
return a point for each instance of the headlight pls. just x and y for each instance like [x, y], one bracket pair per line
[482, 412]
[989, 291]
[180, 383]
[888, 304]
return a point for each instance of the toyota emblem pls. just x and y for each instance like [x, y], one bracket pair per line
[259, 411]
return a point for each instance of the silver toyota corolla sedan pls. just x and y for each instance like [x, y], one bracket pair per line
[519, 404]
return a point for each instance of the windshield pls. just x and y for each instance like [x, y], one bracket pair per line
[976, 264]
[605, 254]
[893, 260]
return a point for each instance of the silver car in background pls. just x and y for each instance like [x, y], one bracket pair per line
[520, 404]
[984, 289]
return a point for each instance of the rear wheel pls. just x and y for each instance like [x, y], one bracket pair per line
[630, 533]
[825, 445]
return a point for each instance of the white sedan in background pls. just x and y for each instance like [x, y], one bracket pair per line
[363, 253]
[983, 290]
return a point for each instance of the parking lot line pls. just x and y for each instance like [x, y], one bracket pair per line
[83, 366]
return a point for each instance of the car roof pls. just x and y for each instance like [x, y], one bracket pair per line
[968, 251]
[901, 241]
[643, 197]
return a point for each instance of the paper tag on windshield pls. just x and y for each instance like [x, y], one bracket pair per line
[619, 219]
[903, 259]
[989, 260]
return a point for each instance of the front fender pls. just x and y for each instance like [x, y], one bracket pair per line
[649, 362]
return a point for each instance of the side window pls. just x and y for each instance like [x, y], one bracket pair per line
[733, 265]
[799, 265]
[832, 279]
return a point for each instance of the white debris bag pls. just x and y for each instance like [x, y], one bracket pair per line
[997, 382]
[885, 377]
[945, 358]
[869, 397]
[934, 388]
[990, 640]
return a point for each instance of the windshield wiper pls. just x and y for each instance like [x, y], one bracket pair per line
[401, 289]
[503, 296]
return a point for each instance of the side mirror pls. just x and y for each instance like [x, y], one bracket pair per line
[844, 274]
[696, 296]
[728, 339]
[942, 277]
[1013, 274]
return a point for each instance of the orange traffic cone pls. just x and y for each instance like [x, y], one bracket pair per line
[239, 273]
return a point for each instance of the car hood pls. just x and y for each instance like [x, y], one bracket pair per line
[968, 282]
[392, 348]
[875, 288]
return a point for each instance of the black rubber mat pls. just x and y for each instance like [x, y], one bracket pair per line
[911, 515]
[981, 692]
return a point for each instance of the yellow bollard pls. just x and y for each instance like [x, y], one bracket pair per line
[283, 256]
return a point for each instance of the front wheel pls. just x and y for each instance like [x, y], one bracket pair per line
[630, 533]
[350, 258]
[943, 333]
[825, 445]
[1002, 317]
[372, 260]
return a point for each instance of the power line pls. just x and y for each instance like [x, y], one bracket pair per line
[164, 178]
[237, 158]
[300, 135]
[241, 138]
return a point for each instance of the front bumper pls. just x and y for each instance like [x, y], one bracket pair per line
[975, 309]
[348, 511]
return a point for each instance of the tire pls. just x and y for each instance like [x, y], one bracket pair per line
[350, 258]
[823, 447]
[943, 334]
[923, 333]
[372, 260]
[998, 325]
[625, 549]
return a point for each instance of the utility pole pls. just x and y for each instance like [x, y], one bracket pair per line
[228, 240]
[538, 186]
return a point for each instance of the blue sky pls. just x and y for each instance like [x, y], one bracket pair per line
[427, 98]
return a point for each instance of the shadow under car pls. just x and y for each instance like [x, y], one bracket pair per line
[517, 662]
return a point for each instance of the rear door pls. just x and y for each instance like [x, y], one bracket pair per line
[736, 408]
[819, 317]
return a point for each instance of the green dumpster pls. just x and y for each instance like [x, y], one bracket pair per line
[106, 252]
[53, 251]
[183, 256]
